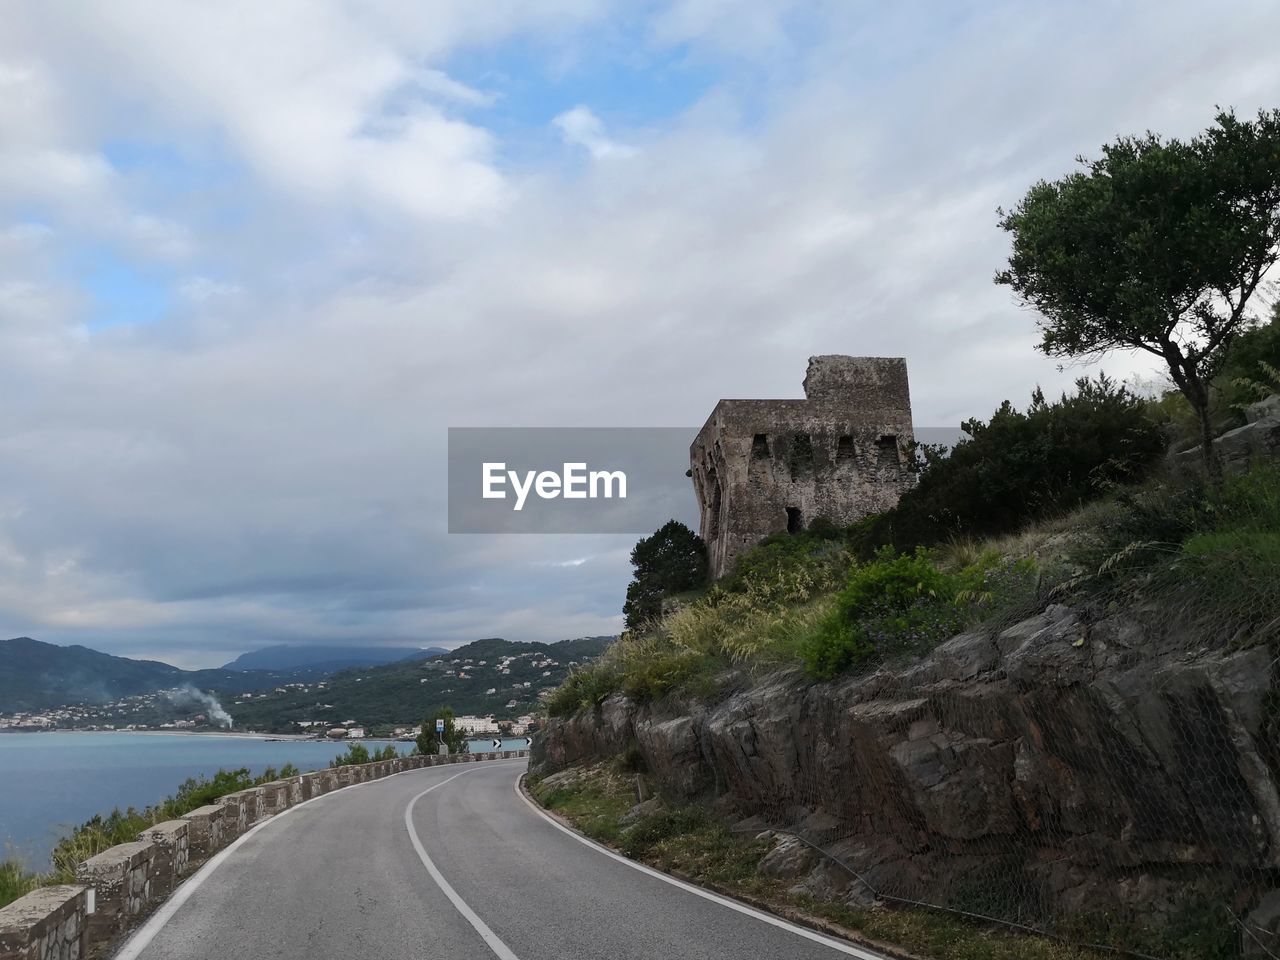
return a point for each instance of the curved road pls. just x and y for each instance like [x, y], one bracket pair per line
[447, 862]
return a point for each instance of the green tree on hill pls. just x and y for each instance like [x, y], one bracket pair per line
[1159, 246]
[429, 741]
[672, 560]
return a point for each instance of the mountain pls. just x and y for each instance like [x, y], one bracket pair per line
[401, 694]
[38, 676]
[328, 658]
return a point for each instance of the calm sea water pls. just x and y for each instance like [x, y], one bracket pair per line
[51, 782]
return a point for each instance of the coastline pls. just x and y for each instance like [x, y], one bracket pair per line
[212, 734]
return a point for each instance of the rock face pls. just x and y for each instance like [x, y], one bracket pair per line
[1058, 767]
[1257, 441]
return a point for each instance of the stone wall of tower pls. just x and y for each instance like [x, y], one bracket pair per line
[767, 466]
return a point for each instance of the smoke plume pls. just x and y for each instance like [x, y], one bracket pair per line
[212, 708]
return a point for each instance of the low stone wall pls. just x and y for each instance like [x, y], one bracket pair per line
[115, 888]
[206, 834]
[121, 878]
[234, 816]
[275, 797]
[172, 859]
[46, 924]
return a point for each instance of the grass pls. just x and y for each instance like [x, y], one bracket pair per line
[1176, 552]
[15, 881]
[689, 841]
[123, 826]
[1202, 561]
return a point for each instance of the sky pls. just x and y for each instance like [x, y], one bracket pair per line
[255, 259]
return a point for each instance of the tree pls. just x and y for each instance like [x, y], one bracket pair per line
[1158, 245]
[1021, 466]
[671, 561]
[429, 741]
[356, 753]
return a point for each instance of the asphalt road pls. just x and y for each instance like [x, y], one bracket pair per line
[446, 862]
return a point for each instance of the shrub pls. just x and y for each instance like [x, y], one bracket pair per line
[15, 881]
[788, 567]
[428, 742]
[1019, 467]
[893, 605]
[584, 689]
[1249, 371]
[1190, 557]
[905, 604]
[356, 753]
[661, 825]
[198, 791]
[653, 667]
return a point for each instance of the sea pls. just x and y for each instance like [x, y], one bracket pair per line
[53, 781]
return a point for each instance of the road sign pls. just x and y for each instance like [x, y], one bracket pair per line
[440, 725]
[497, 744]
[528, 741]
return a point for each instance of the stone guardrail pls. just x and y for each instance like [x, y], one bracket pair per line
[119, 886]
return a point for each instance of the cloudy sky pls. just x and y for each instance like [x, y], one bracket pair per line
[256, 258]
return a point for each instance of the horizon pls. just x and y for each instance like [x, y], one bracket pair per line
[439, 650]
[248, 285]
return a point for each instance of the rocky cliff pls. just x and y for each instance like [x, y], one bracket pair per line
[1066, 766]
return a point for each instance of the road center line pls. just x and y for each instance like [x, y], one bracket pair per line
[769, 918]
[500, 949]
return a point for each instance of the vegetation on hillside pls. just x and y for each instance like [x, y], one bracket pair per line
[1175, 549]
[1067, 499]
[398, 694]
[1021, 466]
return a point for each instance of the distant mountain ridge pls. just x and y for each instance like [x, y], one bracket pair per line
[292, 656]
[470, 679]
[35, 675]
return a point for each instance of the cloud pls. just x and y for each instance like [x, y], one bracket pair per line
[580, 127]
[362, 256]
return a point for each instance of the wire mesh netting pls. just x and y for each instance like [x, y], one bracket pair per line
[1096, 759]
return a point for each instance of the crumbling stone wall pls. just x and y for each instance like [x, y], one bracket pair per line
[767, 466]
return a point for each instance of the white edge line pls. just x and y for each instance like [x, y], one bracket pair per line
[141, 938]
[491, 939]
[769, 918]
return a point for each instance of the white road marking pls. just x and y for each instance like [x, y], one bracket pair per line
[500, 949]
[799, 931]
[132, 948]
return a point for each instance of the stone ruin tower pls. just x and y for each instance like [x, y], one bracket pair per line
[767, 466]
